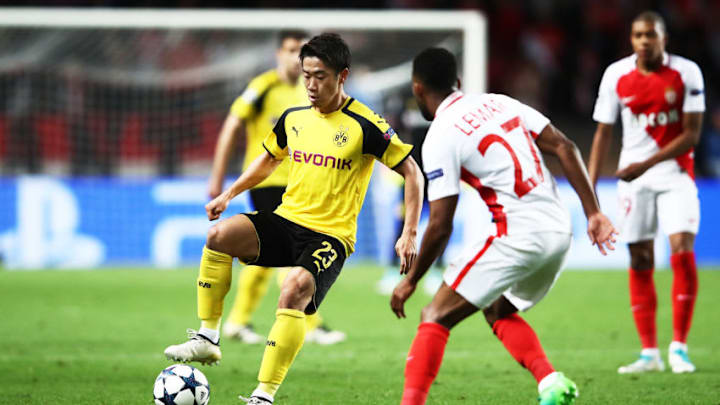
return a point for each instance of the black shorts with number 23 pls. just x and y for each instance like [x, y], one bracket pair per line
[284, 243]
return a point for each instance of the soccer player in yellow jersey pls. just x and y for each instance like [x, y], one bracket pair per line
[257, 109]
[331, 146]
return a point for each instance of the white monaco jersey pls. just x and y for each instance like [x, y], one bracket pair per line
[488, 141]
[652, 107]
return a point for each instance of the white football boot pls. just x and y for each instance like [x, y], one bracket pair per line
[323, 335]
[197, 348]
[243, 333]
[649, 361]
[678, 358]
[258, 397]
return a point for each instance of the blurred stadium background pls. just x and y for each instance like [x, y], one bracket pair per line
[107, 127]
[108, 120]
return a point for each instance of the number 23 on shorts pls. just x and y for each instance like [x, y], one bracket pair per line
[325, 256]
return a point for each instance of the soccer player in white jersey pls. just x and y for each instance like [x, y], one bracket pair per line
[661, 101]
[495, 144]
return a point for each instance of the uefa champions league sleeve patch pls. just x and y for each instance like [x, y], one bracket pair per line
[434, 174]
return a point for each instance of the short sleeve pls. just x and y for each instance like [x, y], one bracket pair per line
[607, 104]
[379, 139]
[694, 89]
[275, 142]
[534, 120]
[247, 103]
[396, 152]
[442, 167]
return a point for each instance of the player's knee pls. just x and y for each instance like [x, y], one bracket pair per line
[642, 260]
[682, 242]
[215, 237]
[297, 289]
[641, 255]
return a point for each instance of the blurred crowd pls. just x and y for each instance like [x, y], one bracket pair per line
[549, 54]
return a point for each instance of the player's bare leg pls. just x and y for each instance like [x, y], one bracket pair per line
[232, 237]
[643, 304]
[523, 344]
[286, 336]
[684, 293]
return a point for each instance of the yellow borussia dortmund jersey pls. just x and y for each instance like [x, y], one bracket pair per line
[260, 106]
[331, 159]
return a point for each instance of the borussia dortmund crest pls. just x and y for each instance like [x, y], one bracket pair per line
[341, 136]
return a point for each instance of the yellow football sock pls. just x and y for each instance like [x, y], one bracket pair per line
[311, 321]
[213, 283]
[283, 344]
[252, 286]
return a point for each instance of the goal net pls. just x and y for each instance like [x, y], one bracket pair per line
[115, 113]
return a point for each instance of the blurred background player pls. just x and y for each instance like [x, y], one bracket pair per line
[257, 110]
[493, 143]
[661, 99]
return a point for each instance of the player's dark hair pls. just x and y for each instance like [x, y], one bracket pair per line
[436, 69]
[329, 48]
[651, 17]
[290, 34]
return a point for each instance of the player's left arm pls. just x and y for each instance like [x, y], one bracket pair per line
[553, 142]
[406, 246]
[688, 138]
[434, 240]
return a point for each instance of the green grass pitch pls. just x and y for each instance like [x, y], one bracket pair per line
[97, 337]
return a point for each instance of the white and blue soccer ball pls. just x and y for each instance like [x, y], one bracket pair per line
[181, 384]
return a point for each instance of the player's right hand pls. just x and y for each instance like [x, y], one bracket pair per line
[216, 207]
[401, 293]
[601, 232]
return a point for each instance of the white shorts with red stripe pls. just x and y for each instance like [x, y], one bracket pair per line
[671, 202]
[523, 268]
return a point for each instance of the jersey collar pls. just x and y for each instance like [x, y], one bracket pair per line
[449, 100]
[344, 105]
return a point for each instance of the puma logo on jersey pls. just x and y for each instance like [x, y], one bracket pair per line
[204, 284]
[297, 131]
[319, 159]
[661, 118]
[627, 100]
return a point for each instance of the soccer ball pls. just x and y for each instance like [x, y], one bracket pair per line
[181, 385]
